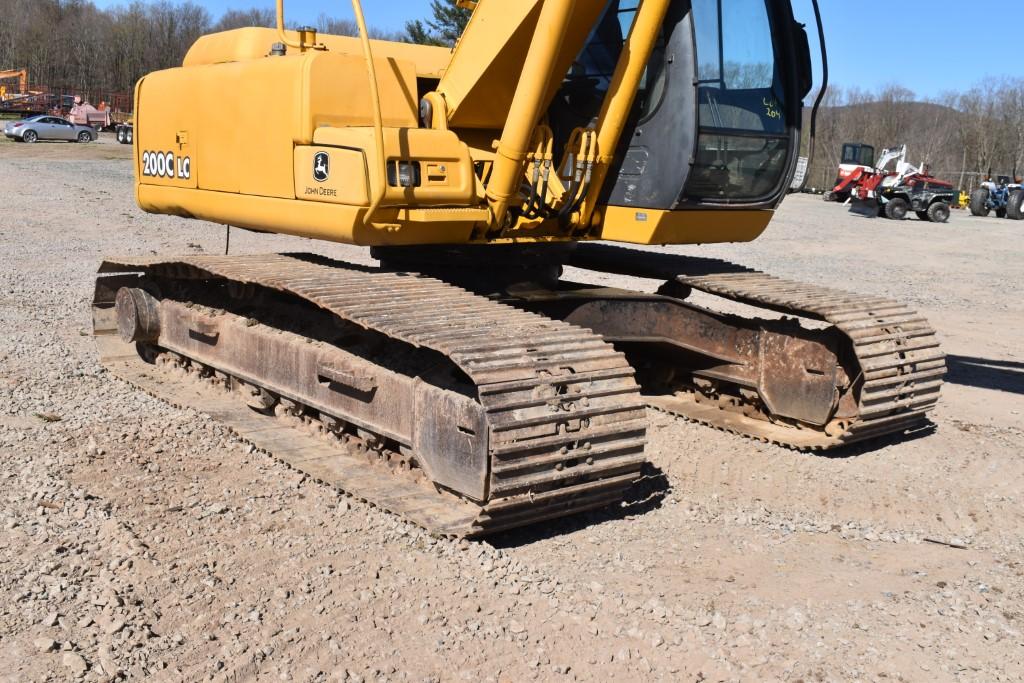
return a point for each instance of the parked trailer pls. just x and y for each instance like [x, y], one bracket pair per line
[124, 132]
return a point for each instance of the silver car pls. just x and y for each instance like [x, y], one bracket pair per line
[45, 127]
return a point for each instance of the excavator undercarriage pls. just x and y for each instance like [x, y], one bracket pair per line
[491, 417]
[464, 383]
[470, 412]
[837, 368]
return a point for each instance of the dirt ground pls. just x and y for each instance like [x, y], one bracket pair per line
[145, 542]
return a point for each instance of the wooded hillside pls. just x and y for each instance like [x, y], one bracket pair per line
[961, 135]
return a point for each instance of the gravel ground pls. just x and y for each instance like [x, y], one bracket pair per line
[141, 541]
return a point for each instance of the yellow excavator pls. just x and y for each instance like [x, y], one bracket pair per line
[462, 383]
[10, 74]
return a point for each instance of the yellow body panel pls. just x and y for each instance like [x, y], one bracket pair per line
[445, 165]
[233, 136]
[245, 44]
[320, 218]
[346, 183]
[242, 120]
[647, 226]
[313, 219]
[336, 92]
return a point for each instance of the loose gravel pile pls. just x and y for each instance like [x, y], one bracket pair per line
[143, 542]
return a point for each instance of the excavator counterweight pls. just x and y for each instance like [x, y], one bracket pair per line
[463, 383]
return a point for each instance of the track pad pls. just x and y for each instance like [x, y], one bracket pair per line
[798, 377]
[451, 440]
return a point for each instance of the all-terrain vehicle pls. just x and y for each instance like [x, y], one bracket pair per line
[926, 196]
[1004, 197]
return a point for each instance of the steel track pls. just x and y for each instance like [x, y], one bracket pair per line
[900, 364]
[565, 422]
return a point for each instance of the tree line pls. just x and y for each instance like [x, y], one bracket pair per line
[961, 136]
[74, 45]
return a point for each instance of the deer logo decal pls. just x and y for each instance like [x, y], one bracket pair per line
[321, 166]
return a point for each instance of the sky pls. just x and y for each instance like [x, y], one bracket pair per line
[927, 47]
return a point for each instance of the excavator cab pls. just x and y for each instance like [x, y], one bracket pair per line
[716, 118]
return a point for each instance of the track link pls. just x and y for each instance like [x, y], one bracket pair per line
[900, 364]
[565, 424]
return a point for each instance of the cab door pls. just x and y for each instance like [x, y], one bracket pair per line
[716, 119]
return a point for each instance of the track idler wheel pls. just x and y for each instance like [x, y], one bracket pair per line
[138, 315]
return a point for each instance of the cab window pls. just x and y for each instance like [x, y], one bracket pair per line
[743, 141]
[589, 78]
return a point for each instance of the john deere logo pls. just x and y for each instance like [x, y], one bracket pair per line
[321, 166]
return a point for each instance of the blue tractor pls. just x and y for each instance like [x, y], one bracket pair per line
[1005, 196]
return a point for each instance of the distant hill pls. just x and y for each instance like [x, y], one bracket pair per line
[960, 137]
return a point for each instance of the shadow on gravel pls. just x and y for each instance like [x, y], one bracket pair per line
[646, 495]
[986, 373]
[653, 486]
[878, 443]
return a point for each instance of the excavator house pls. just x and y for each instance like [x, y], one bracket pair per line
[463, 383]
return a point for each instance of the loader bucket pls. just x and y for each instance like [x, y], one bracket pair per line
[869, 208]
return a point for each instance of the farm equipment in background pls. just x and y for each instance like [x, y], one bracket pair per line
[894, 193]
[21, 98]
[1001, 195]
[84, 114]
[72, 103]
[37, 102]
[10, 74]
[857, 176]
[857, 158]
[928, 197]
[125, 132]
